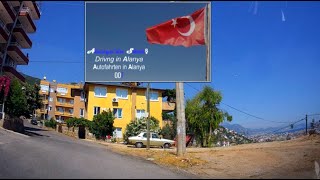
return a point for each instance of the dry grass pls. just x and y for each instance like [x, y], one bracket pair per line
[287, 159]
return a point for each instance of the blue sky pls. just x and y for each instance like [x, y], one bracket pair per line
[261, 64]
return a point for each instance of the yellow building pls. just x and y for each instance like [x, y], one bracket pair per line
[126, 102]
[61, 101]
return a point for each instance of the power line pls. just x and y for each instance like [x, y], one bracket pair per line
[313, 114]
[289, 125]
[241, 110]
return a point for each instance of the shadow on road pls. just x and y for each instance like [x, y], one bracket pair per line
[29, 131]
[33, 129]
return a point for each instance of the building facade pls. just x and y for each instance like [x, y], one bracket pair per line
[127, 103]
[61, 101]
[16, 21]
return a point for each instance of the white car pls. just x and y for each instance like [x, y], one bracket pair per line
[141, 140]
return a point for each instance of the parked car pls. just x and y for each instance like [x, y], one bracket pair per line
[141, 140]
[34, 121]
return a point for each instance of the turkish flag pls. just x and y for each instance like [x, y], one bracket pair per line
[182, 31]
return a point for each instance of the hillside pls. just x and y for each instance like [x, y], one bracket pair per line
[31, 79]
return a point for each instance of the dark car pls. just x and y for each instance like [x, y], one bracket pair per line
[34, 122]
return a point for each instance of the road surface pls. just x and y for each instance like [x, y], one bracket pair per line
[48, 154]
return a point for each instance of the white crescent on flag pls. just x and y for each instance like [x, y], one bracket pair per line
[192, 26]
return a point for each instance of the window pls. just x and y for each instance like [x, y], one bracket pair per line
[61, 100]
[82, 96]
[140, 113]
[71, 111]
[100, 91]
[71, 101]
[145, 135]
[81, 112]
[51, 90]
[50, 99]
[62, 90]
[60, 109]
[96, 110]
[117, 112]
[153, 96]
[50, 108]
[155, 136]
[44, 88]
[122, 93]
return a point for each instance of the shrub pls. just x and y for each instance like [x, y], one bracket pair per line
[70, 122]
[52, 123]
[102, 125]
[139, 125]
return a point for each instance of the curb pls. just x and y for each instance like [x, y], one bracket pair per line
[13, 132]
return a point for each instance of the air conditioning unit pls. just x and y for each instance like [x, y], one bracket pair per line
[115, 100]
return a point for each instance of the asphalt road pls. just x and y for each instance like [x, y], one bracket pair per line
[48, 154]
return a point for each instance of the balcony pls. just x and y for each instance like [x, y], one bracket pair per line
[45, 101]
[17, 55]
[26, 20]
[168, 107]
[44, 111]
[67, 114]
[4, 32]
[7, 12]
[12, 73]
[34, 9]
[64, 104]
[64, 95]
[22, 37]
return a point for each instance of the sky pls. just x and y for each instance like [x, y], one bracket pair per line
[265, 56]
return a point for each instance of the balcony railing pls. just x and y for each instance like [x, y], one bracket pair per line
[20, 26]
[12, 9]
[3, 25]
[25, 10]
[37, 3]
[15, 44]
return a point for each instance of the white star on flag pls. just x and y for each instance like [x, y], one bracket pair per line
[174, 22]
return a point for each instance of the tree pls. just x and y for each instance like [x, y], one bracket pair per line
[140, 125]
[170, 94]
[169, 131]
[203, 115]
[102, 125]
[33, 97]
[23, 99]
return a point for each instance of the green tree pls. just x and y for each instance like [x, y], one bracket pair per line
[169, 131]
[16, 102]
[102, 124]
[33, 98]
[170, 94]
[22, 99]
[140, 125]
[203, 115]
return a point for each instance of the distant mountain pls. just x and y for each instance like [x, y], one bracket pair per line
[258, 131]
[237, 128]
[31, 79]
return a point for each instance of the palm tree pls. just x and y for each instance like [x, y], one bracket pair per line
[203, 114]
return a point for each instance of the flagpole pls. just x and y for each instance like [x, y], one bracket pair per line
[207, 40]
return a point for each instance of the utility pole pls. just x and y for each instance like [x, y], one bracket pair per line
[6, 49]
[181, 125]
[306, 124]
[148, 118]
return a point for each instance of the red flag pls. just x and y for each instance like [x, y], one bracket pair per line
[182, 31]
